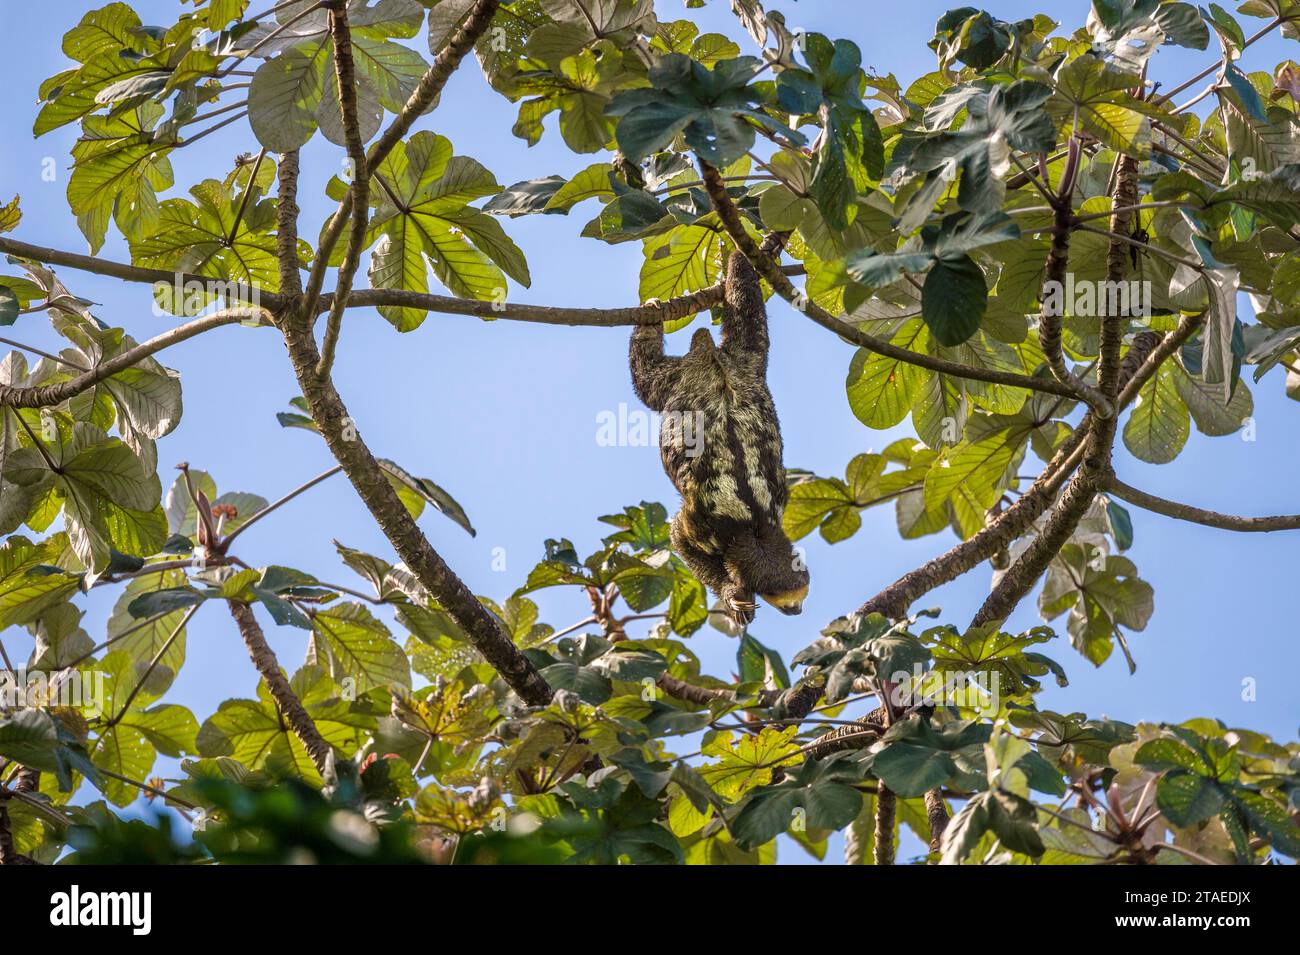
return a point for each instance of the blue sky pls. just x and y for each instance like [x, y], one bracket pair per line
[504, 415]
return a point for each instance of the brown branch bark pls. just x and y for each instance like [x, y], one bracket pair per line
[286, 219]
[277, 684]
[44, 396]
[128, 273]
[886, 811]
[690, 693]
[1049, 316]
[936, 810]
[1114, 327]
[673, 308]
[1198, 515]
[371, 483]
[767, 267]
[345, 74]
[1082, 490]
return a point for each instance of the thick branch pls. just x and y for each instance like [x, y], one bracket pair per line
[44, 396]
[290, 283]
[690, 693]
[371, 483]
[1024, 573]
[345, 73]
[1198, 515]
[767, 267]
[886, 808]
[1082, 490]
[936, 810]
[277, 684]
[286, 230]
[336, 426]
[1054, 274]
[894, 600]
[1113, 327]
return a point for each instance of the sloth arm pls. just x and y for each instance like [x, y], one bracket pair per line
[654, 374]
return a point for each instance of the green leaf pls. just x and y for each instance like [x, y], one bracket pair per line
[953, 299]
[1159, 424]
[1186, 799]
[285, 95]
[882, 390]
[423, 491]
[349, 642]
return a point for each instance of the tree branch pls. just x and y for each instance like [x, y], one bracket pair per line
[1198, 515]
[345, 73]
[277, 684]
[128, 273]
[936, 810]
[768, 269]
[286, 229]
[274, 505]
[1079, 494]
[886, 811]
[673, 308]
[44, 396]
[372, 485]
[894, 600]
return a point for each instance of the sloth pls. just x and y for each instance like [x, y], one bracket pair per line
[721, 446]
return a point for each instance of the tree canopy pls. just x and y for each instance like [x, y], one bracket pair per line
[1035, 252]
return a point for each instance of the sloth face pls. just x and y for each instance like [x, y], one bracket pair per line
[789, 602]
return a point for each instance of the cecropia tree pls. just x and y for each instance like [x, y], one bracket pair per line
[1035, 251]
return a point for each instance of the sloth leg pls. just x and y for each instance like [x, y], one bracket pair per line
[712, 571]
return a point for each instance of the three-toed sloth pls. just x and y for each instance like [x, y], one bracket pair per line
[721, 446]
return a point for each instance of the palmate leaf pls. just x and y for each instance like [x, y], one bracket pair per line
[1098, 96]
[77, 93]
[254, 734]
[1159, 425]
[195, 237]
[119, 168]
[296, 88]
[348, 642]
[1102, 595]
[882, 390]
[686, 259]
[144, 400]
[1011, 115]
[143, 639]
[110, 502]
[822, 789]
[29, 585]
[712, 108]
[850, 151]
[132, 733]
[422, 193]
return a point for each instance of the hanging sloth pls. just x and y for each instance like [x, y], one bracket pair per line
[721, 447]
